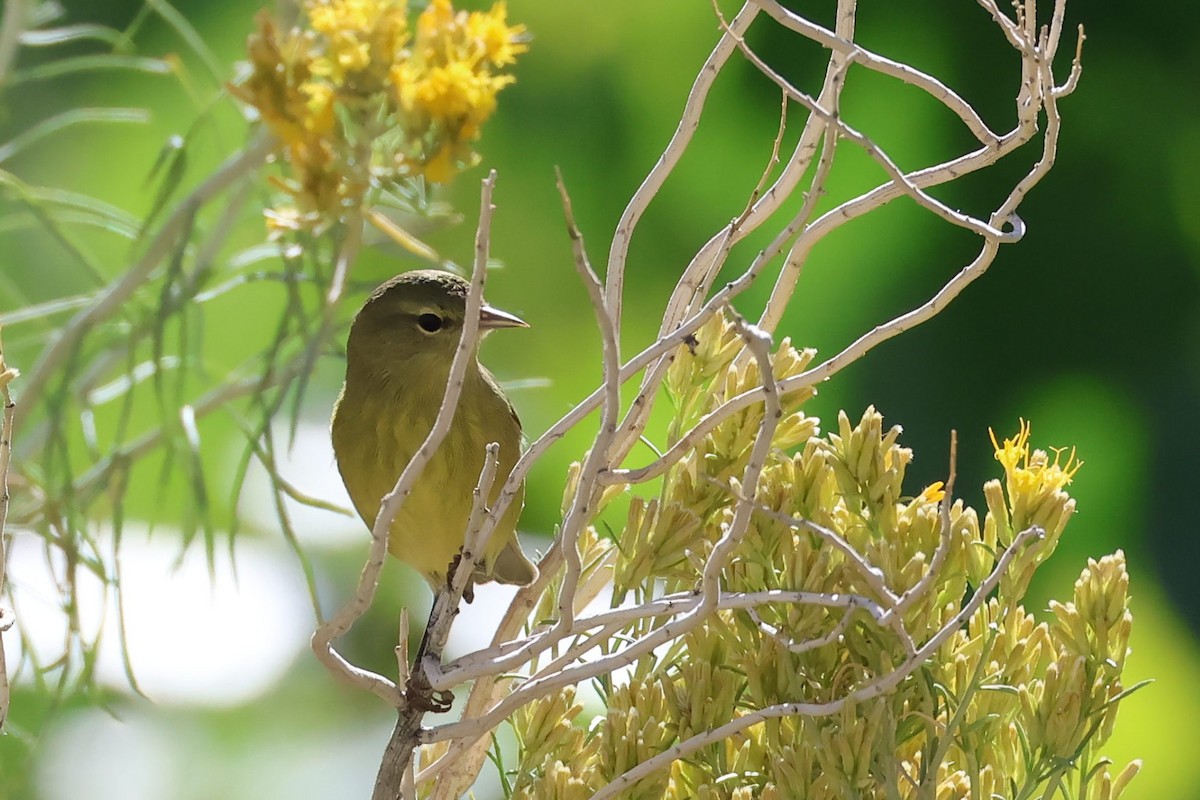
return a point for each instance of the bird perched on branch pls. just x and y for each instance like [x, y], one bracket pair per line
[398, 358]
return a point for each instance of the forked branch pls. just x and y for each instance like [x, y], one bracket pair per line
[533, 657]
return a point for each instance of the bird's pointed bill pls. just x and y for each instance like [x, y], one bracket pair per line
[491, 318]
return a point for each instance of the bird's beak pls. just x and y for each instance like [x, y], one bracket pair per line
[492, 318]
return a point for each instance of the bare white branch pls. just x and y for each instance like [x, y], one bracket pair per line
[689, 121]
[587, 491]
[326, 633]
[7, 618]
[531, 658]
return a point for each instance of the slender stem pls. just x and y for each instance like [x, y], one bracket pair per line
[587, 489]
[6, 433]
[398, 755]
[111, 301]
[689, 121]
[12, 25]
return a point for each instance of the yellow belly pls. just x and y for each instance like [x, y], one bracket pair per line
[374, 443]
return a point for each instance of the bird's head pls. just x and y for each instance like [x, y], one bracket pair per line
[413, 323]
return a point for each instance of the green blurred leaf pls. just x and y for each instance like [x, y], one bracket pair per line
[90, 63]
[69, 119]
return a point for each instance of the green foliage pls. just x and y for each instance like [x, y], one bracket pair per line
[189, 331]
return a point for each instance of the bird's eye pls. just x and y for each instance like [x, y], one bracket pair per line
[430, 323]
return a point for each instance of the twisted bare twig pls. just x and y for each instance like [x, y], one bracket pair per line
[570, 646]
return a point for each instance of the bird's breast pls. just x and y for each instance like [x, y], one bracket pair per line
[376, 435]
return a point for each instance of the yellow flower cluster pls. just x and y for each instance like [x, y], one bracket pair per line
[1008, 706]
[361, 100]
[1033, 495]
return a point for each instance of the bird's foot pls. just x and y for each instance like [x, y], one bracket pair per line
[423, 697]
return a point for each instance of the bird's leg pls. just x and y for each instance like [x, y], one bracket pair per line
[421, 695]
[419, 692]
[469, 592]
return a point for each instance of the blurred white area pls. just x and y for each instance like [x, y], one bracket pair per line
[477, 621]
[308, 466]
[96, 756]
[194, 636]
[201, 640]
[140, 756]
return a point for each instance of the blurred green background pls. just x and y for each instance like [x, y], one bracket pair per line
[1088, 328]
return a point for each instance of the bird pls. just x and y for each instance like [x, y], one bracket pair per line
[398, 355]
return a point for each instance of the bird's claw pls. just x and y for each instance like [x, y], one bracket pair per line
[423, 697]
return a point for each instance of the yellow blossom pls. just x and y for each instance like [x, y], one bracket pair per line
[499, 43]
[933, 493]
[447, 84]
[280, 67]
[1033, 472]
[319, 117]
[449, 93]
[358, 33]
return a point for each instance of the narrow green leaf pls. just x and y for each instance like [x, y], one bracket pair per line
[69, 119]
[190, 35]
[172, 163]
[90, 63]
[47, 37]
[47, 309]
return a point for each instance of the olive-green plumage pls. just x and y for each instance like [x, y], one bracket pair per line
[397, 361]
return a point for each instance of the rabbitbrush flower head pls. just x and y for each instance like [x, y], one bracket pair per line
[1006, 705]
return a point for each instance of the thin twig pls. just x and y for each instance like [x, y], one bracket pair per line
[689, 121]
[398, 755]
[789, 274]
[7, 374]
[587, 489]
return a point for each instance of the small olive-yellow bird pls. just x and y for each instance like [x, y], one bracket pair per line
[398, 359]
